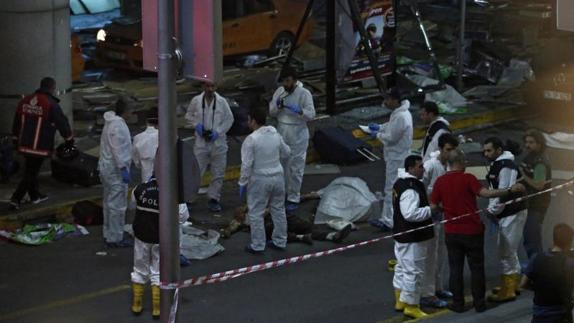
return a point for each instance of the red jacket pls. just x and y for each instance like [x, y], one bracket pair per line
[37, 118]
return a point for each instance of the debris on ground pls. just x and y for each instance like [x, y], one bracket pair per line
[39, 234]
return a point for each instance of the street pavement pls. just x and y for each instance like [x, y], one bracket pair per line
[67, 281]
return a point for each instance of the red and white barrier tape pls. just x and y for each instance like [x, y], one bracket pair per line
[231, 274]
[235, 273]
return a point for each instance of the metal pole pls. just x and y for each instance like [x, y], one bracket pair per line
[331, 67]
[299, 31]
[360, 25]
[168, 177]
[460, 49]
[416, 12]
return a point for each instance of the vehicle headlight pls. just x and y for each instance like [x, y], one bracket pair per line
[101, 35]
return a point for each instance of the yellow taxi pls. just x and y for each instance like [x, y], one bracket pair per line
[249, 26]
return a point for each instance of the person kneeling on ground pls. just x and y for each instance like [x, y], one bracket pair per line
[551, 276]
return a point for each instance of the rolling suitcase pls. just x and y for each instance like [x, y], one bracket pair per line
[337, 146]
[82, 170]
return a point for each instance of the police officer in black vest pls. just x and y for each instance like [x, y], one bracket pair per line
[146, 244]
[510, 218]
[411, 212]
[550, 275]
[536, 176]
[437, 127]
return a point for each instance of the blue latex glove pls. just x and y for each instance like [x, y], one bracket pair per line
[125, 175]
[199, 129]
[294, 108]
[242, 191]
[214, 135]
[373, 127]
[279, 103]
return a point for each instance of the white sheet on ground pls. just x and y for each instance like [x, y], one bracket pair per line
[199, 244]
[348, 199]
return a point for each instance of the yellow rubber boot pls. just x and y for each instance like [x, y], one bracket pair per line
[137, 292]
[155, 291]
[506, 292]
[399, 306]
[414, 311]
[517, 281]
[391, 264]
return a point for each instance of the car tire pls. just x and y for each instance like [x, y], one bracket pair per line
[282, 44]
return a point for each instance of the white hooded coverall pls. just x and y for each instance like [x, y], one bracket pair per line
[146, 255]
[261, 170]
[115, 154]
[397, 138]
[293, 128]
[411, 257]
[213, 154]
[144, 151]
[436, 257]
[510, 228]
[433, 145]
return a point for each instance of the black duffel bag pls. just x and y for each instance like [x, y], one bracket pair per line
[82, 170]
[337, 146]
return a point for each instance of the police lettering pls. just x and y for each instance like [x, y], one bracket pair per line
[150, 202]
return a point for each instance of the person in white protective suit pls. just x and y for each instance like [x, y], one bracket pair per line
[146, 244]
[293, 107]
[145, 146]
[397, 138]
[511, 218]
[114, 167]
[437, 126]
[263, 181]
[433, 294]
[144, 151]
[411, 212]
[210, 115]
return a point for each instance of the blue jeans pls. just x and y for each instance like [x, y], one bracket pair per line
[533, 232]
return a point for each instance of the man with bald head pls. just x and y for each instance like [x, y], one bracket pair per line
[456, 193]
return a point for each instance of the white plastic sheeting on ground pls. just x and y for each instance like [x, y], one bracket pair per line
[348, 199]
[448, 100]
[200, 244]
[560, 140]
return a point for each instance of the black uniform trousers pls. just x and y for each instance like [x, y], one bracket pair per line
[29, 183]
